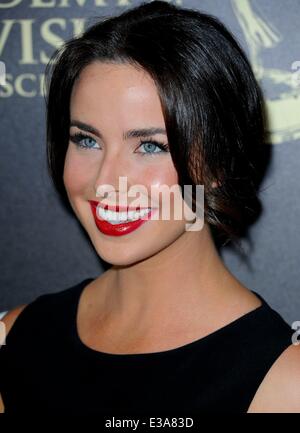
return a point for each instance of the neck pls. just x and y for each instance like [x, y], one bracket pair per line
[184, 279]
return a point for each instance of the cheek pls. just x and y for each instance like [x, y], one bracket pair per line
[164, 174]
[158, 180]
[75, 175]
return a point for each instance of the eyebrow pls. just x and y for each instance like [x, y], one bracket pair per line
[143, 132]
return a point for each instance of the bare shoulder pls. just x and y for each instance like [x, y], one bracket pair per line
[9, 319]
[280, 389]
[11, 316]
[1, 405]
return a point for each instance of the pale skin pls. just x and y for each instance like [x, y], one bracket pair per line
[141, 304]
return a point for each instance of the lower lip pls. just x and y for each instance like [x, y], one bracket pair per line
[119, 229]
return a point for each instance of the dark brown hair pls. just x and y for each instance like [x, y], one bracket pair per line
[212, 104]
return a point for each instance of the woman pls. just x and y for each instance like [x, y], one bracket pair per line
[159, 95]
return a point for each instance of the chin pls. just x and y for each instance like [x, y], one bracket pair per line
[128, 253]
[121, 258]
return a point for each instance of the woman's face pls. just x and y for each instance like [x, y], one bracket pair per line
[113, 99]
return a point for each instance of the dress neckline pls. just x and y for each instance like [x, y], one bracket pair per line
[150, 355]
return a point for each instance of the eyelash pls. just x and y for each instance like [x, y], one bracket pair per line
[78, 137]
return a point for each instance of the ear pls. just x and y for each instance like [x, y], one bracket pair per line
[216, 184]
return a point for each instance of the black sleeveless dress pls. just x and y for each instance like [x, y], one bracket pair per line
[46, 368]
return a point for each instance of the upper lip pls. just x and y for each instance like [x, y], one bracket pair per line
[116, 208]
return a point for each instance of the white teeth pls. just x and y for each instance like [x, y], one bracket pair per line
[119, 217]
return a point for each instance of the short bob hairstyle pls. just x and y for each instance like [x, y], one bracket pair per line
[212, 104]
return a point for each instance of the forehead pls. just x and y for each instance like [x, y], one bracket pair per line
[120, 90]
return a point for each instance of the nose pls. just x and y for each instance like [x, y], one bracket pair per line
[112, 176]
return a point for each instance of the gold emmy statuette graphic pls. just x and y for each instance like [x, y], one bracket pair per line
[283, 111]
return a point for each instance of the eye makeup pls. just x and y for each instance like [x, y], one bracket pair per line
[78, 137]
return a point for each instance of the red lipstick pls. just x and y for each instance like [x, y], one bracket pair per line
[117, 229]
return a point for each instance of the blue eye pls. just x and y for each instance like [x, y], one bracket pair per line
[153, 147]
[78, 137]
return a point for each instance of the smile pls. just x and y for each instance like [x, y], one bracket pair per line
[119, 223]
[121, 217]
